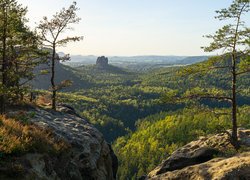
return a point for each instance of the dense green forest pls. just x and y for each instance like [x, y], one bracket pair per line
[133, 105]
[116, 100]
[145, 113]
[158, 136]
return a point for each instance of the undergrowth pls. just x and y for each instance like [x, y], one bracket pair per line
[18, 137]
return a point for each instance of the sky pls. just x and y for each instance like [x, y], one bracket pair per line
[135, 27]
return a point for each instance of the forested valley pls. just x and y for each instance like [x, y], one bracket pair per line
[133, 112]
[144, 112]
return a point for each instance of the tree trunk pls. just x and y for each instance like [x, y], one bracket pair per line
[53, 77]
[235, 141]
[4, 59]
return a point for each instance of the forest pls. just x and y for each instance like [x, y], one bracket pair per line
[144, 114]
[133, 113]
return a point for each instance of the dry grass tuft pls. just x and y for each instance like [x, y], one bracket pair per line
[19, 138]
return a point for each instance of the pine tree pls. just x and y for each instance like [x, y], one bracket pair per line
[50, 32]
[19, 51]
[233, 40]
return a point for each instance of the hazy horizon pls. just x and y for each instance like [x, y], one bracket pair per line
[132, 28]
[132, 55]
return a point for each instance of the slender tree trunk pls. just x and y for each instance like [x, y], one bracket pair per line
[235, 141]
[4, 59]
[53, 77]
[16, 83]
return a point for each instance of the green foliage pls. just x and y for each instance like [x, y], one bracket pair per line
[152, 142]
[122, 103]
[231, 37]
[19, 52]
[50, 34]
[117, 99]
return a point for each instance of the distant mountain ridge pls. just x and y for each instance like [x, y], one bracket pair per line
[127, 61]
[117, 65]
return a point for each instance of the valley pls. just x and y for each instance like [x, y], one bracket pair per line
[132, 112]
[163, 103]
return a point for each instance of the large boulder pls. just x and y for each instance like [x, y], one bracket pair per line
[180, 161]
[89, 156]
[236, 167]
[185, 162]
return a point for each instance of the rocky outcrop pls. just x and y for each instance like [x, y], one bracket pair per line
[236, 167]
[196, 160]
[102, 61]
[88, 158]
[180, 161]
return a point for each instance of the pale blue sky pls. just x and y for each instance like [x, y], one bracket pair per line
[136, 27]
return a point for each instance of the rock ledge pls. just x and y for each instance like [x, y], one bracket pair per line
[88, 158]
[196, 160]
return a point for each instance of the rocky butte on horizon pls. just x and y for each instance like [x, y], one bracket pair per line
[102, 61]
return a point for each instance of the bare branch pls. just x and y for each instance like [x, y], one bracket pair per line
[218, 67]
[208, 96]
[243, 72]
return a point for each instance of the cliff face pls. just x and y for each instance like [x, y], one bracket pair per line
[88, 157]
[197, 160]
[102, 61]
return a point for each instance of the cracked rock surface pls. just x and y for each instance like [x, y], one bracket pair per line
[89, 157]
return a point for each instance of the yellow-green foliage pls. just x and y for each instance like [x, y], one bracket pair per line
[73, 97]
[18, 138]
[144, 149]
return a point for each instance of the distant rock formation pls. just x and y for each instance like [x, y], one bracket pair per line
[102, 61]
[197, 160]
[89, 156]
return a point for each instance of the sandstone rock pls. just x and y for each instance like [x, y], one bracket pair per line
[88, 158]
[102, 61]
[196, 153]
[178, 162]
[67, 109]
[237, 167]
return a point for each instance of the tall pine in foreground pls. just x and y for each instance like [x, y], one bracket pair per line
[19, 52]
[50, 32]
[233, 40]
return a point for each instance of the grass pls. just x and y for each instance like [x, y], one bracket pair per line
[17, 138]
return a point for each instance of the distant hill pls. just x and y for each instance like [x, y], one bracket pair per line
[193, 59]
[137, 63]
[42, 81]
[96, 69]
[102, 66]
